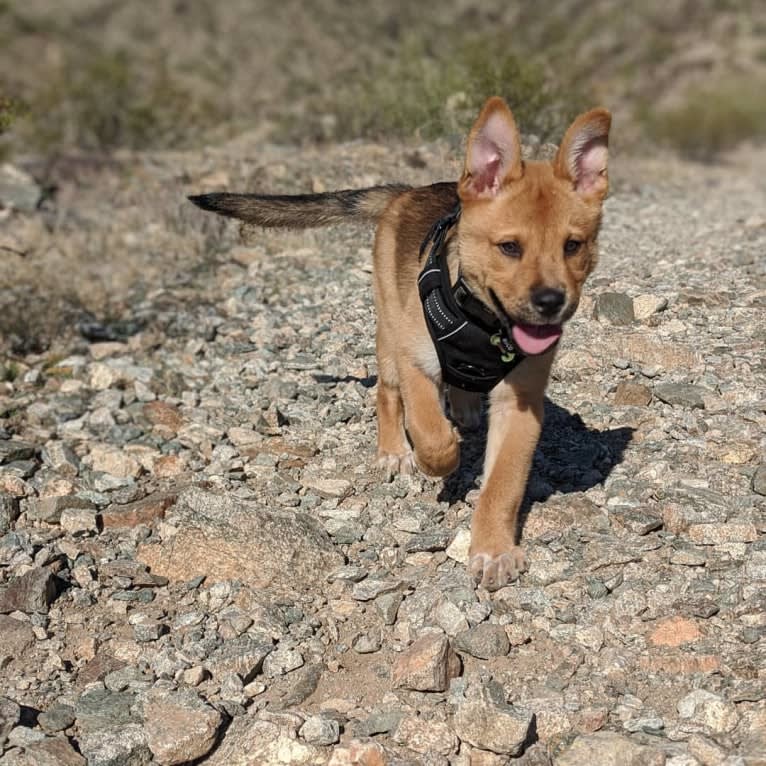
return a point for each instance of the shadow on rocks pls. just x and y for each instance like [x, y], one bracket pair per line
[570, 457]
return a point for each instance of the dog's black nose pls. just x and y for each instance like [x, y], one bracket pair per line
[548, 300]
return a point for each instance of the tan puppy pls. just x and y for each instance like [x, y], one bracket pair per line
[524, 244]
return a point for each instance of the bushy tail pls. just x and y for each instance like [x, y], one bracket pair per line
[302, 211]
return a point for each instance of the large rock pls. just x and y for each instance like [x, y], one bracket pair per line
[180, 727]
[426, 665]
[49, 751]
[225, 538]
[614, 308]
[17, 637]
[709, 710]
[606, 748]
[248, 742]
[484, 641]
[34, 591]
[18, 189]
[646, 351]
[485, 721]
[116, 746]
[681, 395]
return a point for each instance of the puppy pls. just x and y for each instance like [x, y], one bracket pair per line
[473, 281]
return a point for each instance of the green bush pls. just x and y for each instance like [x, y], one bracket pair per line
[103, 100]
[429, 94]
[712, 120]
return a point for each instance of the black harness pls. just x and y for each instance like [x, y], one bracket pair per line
[474, 349]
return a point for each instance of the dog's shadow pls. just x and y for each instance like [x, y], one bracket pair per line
[570, 457]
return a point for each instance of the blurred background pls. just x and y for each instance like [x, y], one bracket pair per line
[111, 111]
[102, 75]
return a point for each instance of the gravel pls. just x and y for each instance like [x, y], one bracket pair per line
[192, 529]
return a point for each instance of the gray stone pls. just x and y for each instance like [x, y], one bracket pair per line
[12, 450]
[61, 458]
[9, 511]
[318, 730]
[614, 308]
[377, 723]
[116, 746]
[301, 684]
[98, 709]
[18, 189]
[458, 548]
[606, 748]
[24, 736]
[78, 521]
[449, 617]
[490, 724]
[151, 630]
[34, 591]
[483, 641]
[709, 710]
[367, 643]
[388, 606]
[348, 573]
[370, 588]
[56, 718]
[681, 395]
[10, 714]
[426, 736]
[282, 661]
[243, 655]
[49, 509]
[434, 540]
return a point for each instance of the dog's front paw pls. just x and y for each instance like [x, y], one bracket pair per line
[493, 572]
[394, 464]
[438, 457]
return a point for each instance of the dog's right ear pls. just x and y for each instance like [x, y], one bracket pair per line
[493, 155]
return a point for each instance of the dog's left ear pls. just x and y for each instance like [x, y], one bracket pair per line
[493, 155]
[582, 156]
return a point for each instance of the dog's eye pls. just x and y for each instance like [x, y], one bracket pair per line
[512, 249]
[571, 246]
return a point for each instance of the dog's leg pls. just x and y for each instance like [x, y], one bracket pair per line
[465, 407]
[394, 452]
[515, 422]
[435, 439]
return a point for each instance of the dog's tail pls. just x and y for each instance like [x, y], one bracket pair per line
[302, 211]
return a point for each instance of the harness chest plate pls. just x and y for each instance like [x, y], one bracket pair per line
[474, 350]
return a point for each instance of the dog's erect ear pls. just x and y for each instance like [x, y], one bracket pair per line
[493, 156]
[582, 156]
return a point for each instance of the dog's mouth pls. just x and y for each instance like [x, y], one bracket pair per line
[530, 339]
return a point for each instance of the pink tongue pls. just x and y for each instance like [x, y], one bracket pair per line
[535, 338]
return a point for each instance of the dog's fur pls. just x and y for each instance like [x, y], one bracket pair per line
[550, 213]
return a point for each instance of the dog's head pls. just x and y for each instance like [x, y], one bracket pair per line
[527, 235]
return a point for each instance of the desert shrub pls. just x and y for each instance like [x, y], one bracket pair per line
[103, 100]
[711, 119]
[439, 91]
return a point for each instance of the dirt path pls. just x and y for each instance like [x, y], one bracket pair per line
[193, 532]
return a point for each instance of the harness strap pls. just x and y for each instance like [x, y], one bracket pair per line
[474, 350]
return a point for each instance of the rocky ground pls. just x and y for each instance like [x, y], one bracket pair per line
[200, 563]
